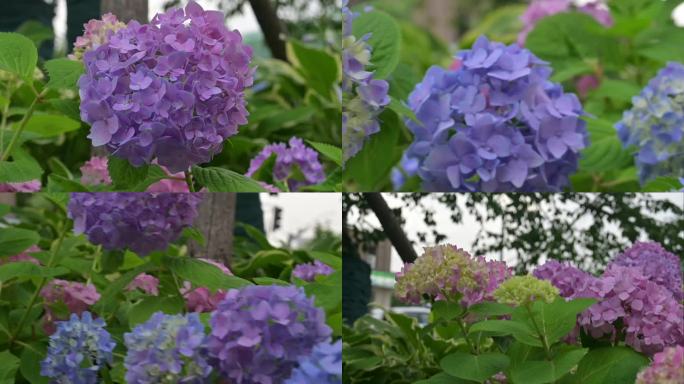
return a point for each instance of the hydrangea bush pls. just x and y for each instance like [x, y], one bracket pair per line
[82, 313]
[558, 324]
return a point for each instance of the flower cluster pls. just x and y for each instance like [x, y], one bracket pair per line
[446, 270]
[656, 263]
[496, 124]
[201, 299]
[95, 172]
[309, 271]
[167, 349]
[146, 283]
[296, 165]
[142, 223]
[171, 90]
[260, 332]
[365, 97]
[571, 282]
[77, 297]
[651, 317]
[540, 9]
[96, 32]
[28, 186]
[522, 290]
[77, 351]
[655, 125]
[322, 366]
[667, 367]
[22, 257]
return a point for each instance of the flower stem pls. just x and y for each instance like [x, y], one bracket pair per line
[188, 180]
[32, 302]
[542, 336]
[22, 125]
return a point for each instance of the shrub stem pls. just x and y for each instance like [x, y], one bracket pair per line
[15, 138]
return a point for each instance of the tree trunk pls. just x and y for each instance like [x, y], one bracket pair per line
[216, 221]
[391, 227]
[8, 199]
[271, 26]
[126, 10]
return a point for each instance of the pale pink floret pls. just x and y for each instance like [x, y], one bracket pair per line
[29, 186]
[77, 297]
[95, 172]
[146, 283]
[201, 299]
[24, 256]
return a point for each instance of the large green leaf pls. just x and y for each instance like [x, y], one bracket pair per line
[13, 241]
[611, 365]
[18, 55]
[554, 320]
[319, 67]
[21, 168]
[330, 151]
[108, 299]
[443, 378]
[47, 125]
[202, 274]
[64, 73]
[142, 311]
[30, 363]
[474, 367]
[444, 310]
[520, 330]
[224, 180]
[25, 269]
[540, 372]
[385, 38]
[9, 364]
[326, 291]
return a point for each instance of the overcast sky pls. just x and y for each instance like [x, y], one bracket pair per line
[301, 213]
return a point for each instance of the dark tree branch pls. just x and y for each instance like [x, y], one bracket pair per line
[391, 226]
[273, 29]
[216, 221]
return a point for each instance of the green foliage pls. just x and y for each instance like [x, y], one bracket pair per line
[385, 38]
[64, 73]
[18, 55]
[224, 180]
[616, 365]
[16, 240]
[474, 367]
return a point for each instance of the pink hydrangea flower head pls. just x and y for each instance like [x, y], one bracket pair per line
[22, 257]
[667, 367]
[96, 33]
[447, 270]
[540, 9]
[146, 283]
[77, 297]
[176, 184]
[652, 318]
[201, 299]
[95, 172]
[656, 263]
[28, 186]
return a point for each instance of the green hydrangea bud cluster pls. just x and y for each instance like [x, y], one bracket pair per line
[522, 290]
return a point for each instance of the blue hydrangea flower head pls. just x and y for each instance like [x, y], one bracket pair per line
[259, 333]
[141, 222]
[171, 90]
[167, 349]
[322, 366]
[78, 350]
[496, 123]
[364, 96]
[655, 125]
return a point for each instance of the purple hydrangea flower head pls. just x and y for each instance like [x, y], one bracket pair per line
[309, 271]
[447, 270]
[167, 349]
[655, 125]
[78, 350]
[667, 367]
[259, 333]
[322, 366]
[496, 124]
[289, 159]
[651, 317]
[96, 32]
[141, 222]
[656, 263]
[571, 282]
[364, 97]
[539, 9]
[171, 90]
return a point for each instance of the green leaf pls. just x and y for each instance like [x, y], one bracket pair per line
[224, 180]
[612, 365]
[57, 183]
[520, 331]
[36, 31]
[202, 274]
[385, 38]
[265, 171]
[443, 310]
[21, 168]
[490, 308]
[18, 55]
[124, 175]
[618, 90]
[194, 234]
[24, 269]
[330, 151]
[540, 372]
[30, 363]
[474, 367]
[663, 184]
[604, 155]
[402, 110]
[64, 73]
[107, 301]
[333, 261]
[46, 125]
[554, 320]
[326, 291]
[9, 364]
[269, 281]
[143, 310]
[443, 378]
[321, 69]
[14, 241]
